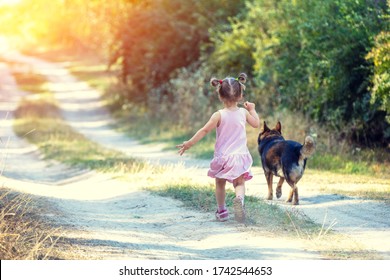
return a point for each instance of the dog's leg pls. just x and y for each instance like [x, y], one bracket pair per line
[290, 195]
[279, 187]
[269, 177]
[296, 198]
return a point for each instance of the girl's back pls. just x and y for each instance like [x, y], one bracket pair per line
[231, 133]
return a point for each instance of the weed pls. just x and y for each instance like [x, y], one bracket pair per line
[22, 235]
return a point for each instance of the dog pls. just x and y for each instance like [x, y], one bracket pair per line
[283, 158]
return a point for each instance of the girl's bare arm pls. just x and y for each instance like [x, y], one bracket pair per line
[210, 125]
[251, 117]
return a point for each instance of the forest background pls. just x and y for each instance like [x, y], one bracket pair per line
[320, 67]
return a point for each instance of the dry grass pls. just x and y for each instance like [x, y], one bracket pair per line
[346, 184]
[23, 235]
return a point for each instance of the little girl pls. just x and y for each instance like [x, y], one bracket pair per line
[232, 160]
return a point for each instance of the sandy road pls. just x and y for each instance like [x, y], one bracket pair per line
[122, 221]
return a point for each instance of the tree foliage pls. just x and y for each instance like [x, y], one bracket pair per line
[158, 37]
[311, 56]
[380, 56]
[328, 59]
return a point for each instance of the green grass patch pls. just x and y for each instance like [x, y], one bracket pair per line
[39, 121]
[266, 216]
[339, 164]
[370, 162]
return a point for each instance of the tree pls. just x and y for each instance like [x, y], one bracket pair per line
[380, 56]
[311, 54]
[158, 37]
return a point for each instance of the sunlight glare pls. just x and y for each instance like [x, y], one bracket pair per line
[9, 2]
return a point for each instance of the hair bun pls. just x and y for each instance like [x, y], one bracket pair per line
[242, 78]
[214, 82]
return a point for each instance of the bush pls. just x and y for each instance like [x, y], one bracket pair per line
[189, 102]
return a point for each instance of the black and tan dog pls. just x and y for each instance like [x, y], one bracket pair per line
[283, 158]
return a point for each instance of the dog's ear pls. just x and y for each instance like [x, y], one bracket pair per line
[265, 127]
[278, 127]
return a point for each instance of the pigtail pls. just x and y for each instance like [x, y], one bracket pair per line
[215, 82]
[242, 78]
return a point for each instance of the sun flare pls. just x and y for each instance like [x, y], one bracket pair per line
[9, 2]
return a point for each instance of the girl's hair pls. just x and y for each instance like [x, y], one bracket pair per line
[230, 89]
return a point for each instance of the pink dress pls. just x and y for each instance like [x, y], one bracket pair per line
[231, 156]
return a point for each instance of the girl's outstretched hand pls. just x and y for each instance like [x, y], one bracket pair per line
[183, 147]
[249, 106]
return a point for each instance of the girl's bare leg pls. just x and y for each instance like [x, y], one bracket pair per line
[238, 202]
[239, 187]
[220, 191]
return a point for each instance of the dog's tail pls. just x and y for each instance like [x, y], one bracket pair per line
[308, 147]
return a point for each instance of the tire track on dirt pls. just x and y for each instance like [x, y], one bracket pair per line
[19, 159]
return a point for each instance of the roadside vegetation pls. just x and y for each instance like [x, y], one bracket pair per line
[23, 233]
[58, 141]
[331, 155]
[27, 233]
[264, 218]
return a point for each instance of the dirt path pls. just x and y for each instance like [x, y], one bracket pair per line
[124, 222]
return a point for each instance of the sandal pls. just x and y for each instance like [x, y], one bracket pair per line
[222, 216]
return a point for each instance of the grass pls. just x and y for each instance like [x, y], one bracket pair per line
[23, 235]
[264, 218]
[26, 235]
[39, 121]
[354, 164]
[363, 186]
